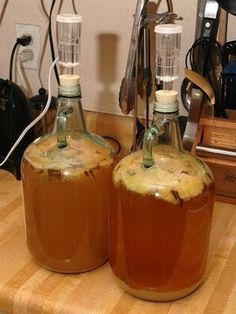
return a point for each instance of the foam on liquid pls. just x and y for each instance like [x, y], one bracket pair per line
[174, 174]
[82, 154]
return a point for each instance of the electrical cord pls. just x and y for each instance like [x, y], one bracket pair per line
[20, 41]
[12, 59]
[205, 57]
[51, 39]
[40, 116]
[60, 6]
[43, 46]
[194, 56]
[44, 8]
[3, 11]
[74, 7]
[44, 41]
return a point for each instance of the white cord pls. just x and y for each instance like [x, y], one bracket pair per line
[38, 117]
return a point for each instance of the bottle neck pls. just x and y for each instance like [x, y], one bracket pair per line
[164, 130]
[170, 134]
[70, 117]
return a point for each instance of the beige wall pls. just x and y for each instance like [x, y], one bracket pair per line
[105, 41]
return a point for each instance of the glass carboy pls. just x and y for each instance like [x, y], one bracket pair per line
[160, 218]
[66, 180]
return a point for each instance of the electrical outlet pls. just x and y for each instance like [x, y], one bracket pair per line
[34, 32]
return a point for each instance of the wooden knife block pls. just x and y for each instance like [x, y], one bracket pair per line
[215, 143]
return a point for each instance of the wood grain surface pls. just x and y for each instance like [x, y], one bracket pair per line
[27, 288]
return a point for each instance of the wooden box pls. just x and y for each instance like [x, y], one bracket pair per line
[215, 143]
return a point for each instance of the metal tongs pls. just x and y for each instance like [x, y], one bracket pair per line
[128, 88]
[138, 78]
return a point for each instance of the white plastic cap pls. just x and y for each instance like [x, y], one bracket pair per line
[69, 80]
[69, 18]
[166, 101]
[168, 29]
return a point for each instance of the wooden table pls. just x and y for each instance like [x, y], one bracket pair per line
[27, 288]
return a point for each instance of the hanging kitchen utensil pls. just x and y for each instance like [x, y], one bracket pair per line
[228, 5]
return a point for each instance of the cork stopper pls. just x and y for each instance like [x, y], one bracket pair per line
[69, 80]
[166, 101]
[69, 84]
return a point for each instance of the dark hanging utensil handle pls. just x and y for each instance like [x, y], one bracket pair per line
[228, 5]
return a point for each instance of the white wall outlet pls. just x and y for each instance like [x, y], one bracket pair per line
[34, 32]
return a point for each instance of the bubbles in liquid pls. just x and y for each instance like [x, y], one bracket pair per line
[68, 64]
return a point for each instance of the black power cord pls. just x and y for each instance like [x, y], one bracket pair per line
[20, 41]
[3, 10]
[51, 39]
[206, 58]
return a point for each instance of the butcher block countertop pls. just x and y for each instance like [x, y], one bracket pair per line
[27, 288]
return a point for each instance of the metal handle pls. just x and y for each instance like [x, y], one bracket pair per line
[213, 150]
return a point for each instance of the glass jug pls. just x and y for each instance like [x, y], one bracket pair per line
[160, 218]
[66, 177]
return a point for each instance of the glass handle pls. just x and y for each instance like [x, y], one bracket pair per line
[61, 127]
[148, 140]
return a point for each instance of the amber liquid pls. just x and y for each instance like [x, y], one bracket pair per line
[66, 217]
[157, 246]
